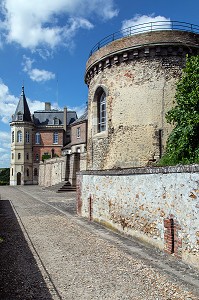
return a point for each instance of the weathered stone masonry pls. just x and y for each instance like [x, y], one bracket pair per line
[157, 205]
[139, 75]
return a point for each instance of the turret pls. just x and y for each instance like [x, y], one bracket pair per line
[21, 144]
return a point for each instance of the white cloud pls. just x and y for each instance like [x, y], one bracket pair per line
[139, 20]
[79, 109]
[4, 149]
[33, 24]
[8, 103]
[36, 74]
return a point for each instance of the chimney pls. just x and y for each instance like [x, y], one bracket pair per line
[65, 125]
[47, 106]
[65, 118]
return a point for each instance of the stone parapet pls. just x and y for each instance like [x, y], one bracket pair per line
[150, 44]
[145, 170]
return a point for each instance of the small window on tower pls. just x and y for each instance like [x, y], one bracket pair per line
[13, 136]
[27, 137]
[19, 155]
[27, 156]
[27, 172]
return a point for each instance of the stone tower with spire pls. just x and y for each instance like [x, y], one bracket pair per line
[35, 138]
[21, 170]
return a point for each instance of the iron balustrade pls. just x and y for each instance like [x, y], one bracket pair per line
[145, 27]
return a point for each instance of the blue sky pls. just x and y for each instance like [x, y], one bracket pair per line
[45, 45]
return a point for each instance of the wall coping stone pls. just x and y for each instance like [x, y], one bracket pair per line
[194, 168]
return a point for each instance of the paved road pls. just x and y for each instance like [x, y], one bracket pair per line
[47, 252]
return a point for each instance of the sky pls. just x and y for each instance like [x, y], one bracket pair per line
[44, 45]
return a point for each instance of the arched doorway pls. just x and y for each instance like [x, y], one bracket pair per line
[18, 178]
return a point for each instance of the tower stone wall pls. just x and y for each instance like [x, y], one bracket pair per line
[138, 75]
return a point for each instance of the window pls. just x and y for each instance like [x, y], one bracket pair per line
[12, 171]
[78, 132]
[12, 155]
[27, 172]
[55, 138]
[37, 157]
[27, 156]
[102, 112]
[19, 136]
[35, 172]
[20, 117]
[27, 137]
[13, 136]
[56, 121]
[19, 155]
[37, 138]
[78, 150]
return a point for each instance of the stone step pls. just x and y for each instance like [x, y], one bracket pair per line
[66, 187]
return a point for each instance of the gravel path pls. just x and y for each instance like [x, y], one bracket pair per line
[47, 252]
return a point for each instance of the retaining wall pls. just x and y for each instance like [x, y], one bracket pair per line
[157, 205]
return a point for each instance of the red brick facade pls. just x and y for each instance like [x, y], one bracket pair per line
[46, 144]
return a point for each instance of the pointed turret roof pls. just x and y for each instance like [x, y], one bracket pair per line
[22, 112]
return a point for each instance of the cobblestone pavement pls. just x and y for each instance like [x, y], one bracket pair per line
[47, 252]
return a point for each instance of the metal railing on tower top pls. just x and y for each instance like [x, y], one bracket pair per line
[146, 27]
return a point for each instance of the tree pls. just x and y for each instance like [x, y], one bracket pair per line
[4, 176]
[183, 143]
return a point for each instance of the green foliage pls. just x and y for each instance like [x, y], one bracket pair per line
[4, 176]
[45, 156]
[183, 143]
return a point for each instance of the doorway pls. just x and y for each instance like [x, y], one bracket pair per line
[18, 178]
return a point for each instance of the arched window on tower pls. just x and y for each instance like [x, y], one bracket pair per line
[27, 172]
[102, 112]
[19, 136]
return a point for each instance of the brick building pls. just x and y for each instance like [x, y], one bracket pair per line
[78, 136]
[35, 137]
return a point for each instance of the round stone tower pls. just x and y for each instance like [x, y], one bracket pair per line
[132, 83]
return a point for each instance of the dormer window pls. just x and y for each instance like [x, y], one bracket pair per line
[56, 121]
[19, 116]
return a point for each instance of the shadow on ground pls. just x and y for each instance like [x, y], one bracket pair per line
[20, 277]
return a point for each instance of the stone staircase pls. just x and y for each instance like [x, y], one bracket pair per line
[62, 187]
[66, 187]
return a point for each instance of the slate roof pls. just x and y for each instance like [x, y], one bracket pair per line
[46, 117]
[22, 109]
